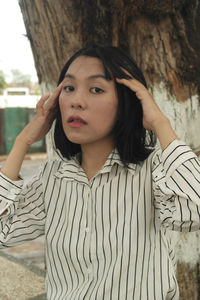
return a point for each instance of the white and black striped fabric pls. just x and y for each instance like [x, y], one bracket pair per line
[107, 238]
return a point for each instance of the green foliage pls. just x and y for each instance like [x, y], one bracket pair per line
[36, 90]
[2, 81]
[20, 79]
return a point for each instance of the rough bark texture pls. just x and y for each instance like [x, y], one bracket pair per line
[168, 29]
[162, 35]
[188, 280]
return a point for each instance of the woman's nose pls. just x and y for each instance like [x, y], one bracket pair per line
[78, 101]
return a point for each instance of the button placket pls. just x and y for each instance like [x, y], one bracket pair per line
[87, 229]
[159, 175]
[89, 270]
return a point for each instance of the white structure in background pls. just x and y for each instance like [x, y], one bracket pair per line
[18, 97]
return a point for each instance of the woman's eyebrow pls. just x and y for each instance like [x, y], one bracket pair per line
[98, 76]
[68, 75]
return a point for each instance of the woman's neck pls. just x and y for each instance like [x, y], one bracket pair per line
[94, 157]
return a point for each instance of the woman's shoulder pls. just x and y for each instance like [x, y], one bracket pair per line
[52, 166]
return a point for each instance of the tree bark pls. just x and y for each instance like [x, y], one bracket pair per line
[168, 29]
[163, 37]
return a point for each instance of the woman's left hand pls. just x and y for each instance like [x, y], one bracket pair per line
[152, 115]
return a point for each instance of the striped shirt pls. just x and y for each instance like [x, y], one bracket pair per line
[108, 237]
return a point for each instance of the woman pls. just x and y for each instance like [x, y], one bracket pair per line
[108, 204]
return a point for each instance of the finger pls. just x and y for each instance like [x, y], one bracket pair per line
[130, 75]
[132, 84]
[41, 102]
[132, 80]
[51, 117]
[125, 71]
[54, 97]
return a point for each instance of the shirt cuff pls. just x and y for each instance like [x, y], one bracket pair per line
[8, 183]
[9, 190]
[175, 154]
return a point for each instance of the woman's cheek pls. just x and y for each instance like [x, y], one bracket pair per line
[62, 103]
[60, 98]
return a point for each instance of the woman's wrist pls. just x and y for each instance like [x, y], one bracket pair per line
[12, 165]
[164, 131]
[160, 122]
[23, 140]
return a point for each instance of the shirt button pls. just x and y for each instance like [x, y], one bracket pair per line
[87, 229]
[89, 270]
[12, 191]
[159, 175]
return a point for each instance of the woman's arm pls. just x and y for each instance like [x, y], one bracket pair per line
[175, 169]
[33, 132]
[22, 210]
[153, 118]
[176, 187]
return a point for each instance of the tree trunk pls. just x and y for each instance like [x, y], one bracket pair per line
[164, 38]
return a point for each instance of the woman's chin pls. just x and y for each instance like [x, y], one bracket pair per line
[75, 140]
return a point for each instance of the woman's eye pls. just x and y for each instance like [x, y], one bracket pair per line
[96, 90]
[68, 88]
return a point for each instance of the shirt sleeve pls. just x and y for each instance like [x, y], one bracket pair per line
[176, 187]
[23, 210]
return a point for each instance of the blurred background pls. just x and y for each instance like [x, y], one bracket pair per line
[37, 37]
[19, 87]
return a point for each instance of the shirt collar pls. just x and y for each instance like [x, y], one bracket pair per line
[72, 170]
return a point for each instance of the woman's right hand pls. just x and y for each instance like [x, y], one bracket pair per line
[42, 121]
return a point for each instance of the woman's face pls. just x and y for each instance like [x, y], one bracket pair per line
[88, 102]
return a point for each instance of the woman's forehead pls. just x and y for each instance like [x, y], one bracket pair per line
[87, 64]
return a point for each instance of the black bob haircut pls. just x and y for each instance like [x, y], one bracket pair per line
[133, 142]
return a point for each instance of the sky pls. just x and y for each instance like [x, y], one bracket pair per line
[15, 50]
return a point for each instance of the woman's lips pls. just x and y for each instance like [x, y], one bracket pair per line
[76, 122]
